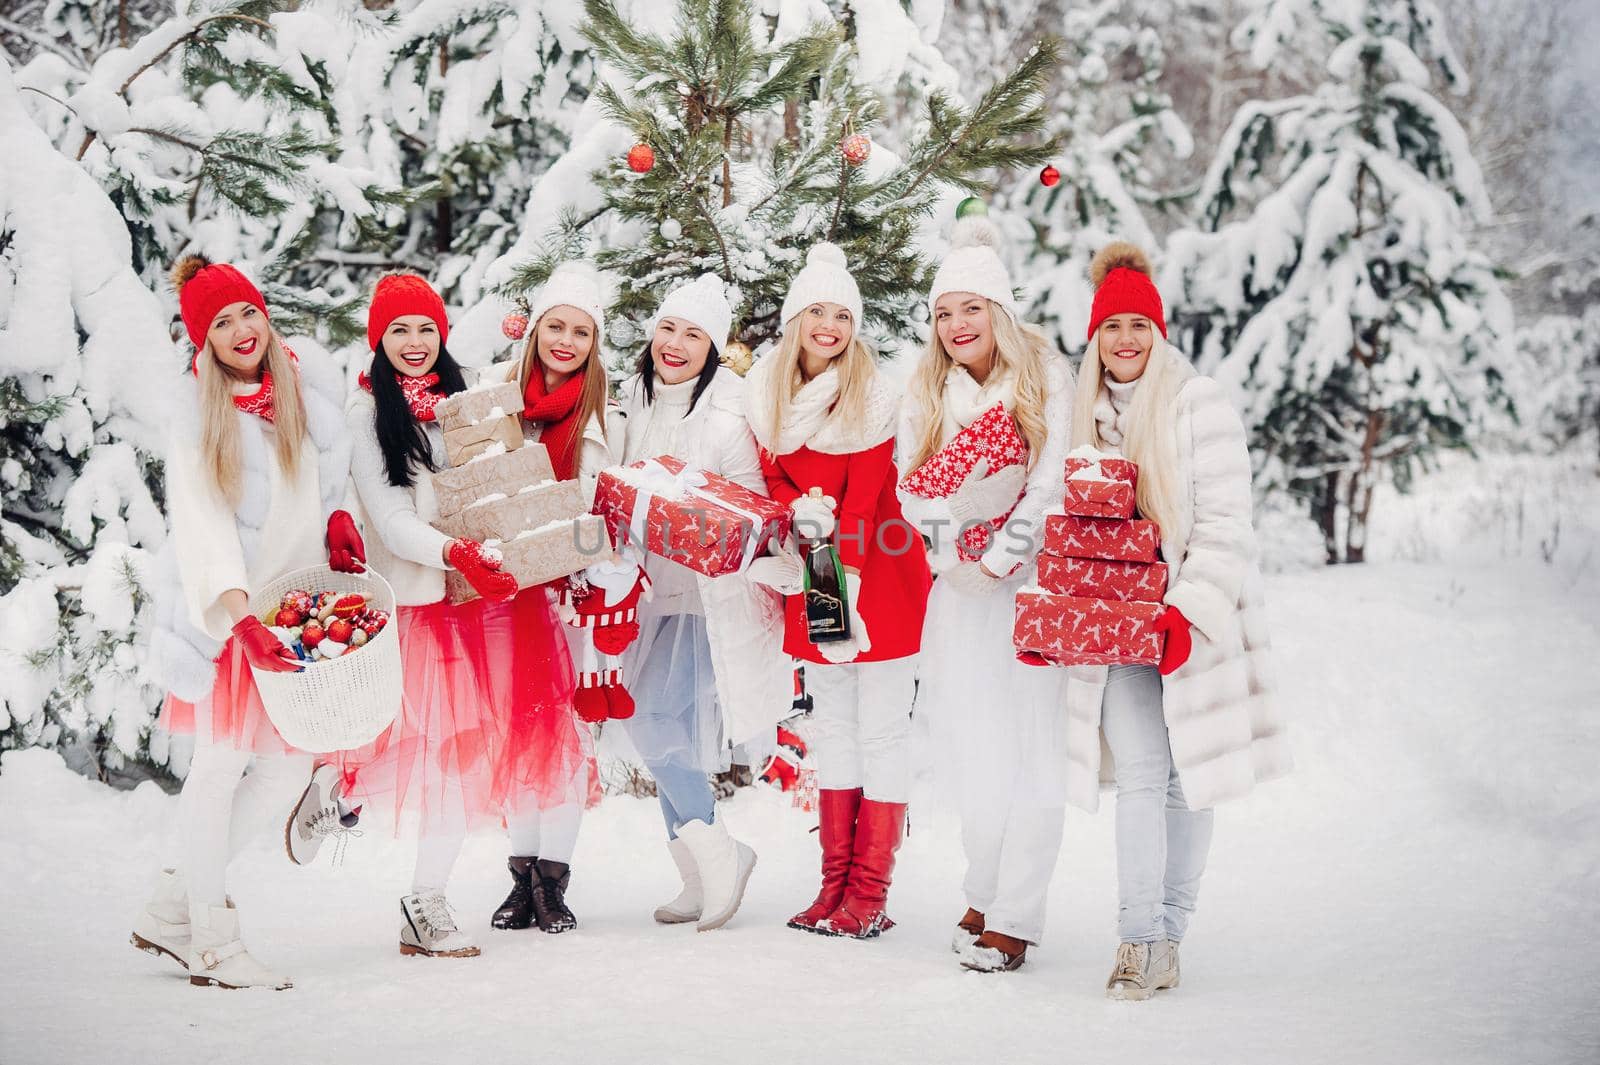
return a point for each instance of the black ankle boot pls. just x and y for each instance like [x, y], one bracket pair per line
[550, 896]
[517, 910]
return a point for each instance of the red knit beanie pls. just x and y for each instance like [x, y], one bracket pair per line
[398, 295]
[1120, 274]
[204, 288]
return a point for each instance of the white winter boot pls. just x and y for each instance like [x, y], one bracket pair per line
[217, 957]
[724, 864]
[429, 928]
[318, 816]
[686, 907]
[1142, 969]
[162, 928]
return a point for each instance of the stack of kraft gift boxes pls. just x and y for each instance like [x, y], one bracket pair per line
[1100, 578]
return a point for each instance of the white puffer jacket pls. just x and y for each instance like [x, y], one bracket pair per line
[744, 620]
[1225, 730]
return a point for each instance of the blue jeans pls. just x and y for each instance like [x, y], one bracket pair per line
[1161, 843]
[673, 682]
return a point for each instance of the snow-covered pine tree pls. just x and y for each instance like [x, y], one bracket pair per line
[1330, 283]
[81, 394]
[734, 190]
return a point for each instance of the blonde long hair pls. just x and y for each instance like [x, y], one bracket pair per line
[857, 369]
[220, 447]
[596, 386]
[1149, 441]
[1019, 348]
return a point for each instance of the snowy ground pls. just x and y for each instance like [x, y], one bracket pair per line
[1421, 890]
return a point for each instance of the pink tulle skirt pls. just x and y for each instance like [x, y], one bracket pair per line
[545, 758]
[232, 714]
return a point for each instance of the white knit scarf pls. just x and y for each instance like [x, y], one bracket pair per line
[965, 401]
[1111, 408]
[807, 418]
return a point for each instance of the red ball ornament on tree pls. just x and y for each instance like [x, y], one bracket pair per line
[514, 325]
[1049, 177]
[855, 148]
[641, 158]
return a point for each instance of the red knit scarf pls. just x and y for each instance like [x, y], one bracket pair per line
[419, 393]
[557, 413]
[258, 402]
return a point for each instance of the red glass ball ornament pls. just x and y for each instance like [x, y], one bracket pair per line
[514, 325]
[641, 158]
[1049, 177]
[855, 148]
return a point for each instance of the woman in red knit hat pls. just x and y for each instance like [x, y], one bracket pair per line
[456, 715]
[256, 469]
[1201, 727]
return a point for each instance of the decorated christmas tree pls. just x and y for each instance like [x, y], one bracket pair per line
[1329, 282]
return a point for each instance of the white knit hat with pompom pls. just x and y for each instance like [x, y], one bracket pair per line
[824, 279]
[572, 284]
[702, 302]
[973, 265]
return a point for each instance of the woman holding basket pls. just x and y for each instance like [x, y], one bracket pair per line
[256, 468]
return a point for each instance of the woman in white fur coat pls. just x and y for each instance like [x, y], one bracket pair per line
[257, 466]
[997, 724]
[1201, 728]
[708, 669]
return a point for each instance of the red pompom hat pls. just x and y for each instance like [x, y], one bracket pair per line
[204, 288]
[1120, 273]
[398, 295]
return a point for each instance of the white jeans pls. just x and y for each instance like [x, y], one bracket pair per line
[1161, 843]
[220, 813]
[1011, 850]
[861, 715]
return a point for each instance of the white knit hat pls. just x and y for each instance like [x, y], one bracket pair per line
[572, 284]
[973, 265]
[824, 279]
[702, 302]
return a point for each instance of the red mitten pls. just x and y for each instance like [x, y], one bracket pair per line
[346, 551]
[614, 639]
[481, 571]
[1178, 644]
[590, 703]
[262, 649]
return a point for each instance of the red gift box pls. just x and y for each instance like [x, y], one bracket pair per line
[1111, 469]
[701, 520]
[1070, 536]
[993, 436]
[1141, 582]
[1098, 499]
[1076, 631]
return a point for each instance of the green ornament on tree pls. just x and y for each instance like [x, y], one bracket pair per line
[971, 207]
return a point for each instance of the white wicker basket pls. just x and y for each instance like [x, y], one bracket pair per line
[344, 702]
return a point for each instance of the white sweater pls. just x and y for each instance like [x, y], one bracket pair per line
[210, 558]
[401, 544]
[652, 432]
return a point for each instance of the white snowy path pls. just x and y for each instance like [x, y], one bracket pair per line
[1423, 889]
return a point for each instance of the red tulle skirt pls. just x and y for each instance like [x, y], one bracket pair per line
[232, 714]
[546, 756]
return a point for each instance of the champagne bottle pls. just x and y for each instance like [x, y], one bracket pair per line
[826, 594]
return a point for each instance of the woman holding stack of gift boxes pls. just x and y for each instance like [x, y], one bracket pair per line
[825, 420]
[1200, 728]
[562, 378]
[708, 668]
[486, 683]
[256, 470]
[999, 738]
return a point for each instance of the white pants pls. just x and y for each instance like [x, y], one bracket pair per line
[223, 807]
[549, 834]
[1011, 850]
[862, 726]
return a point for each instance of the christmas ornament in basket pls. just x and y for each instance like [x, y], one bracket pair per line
[341, 626]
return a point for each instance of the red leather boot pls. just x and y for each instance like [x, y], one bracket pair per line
[879, 829]
[836, 823]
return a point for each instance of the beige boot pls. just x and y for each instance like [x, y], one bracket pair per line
[686, 907]
[1142, 969]
[217, 958]
[162, 928]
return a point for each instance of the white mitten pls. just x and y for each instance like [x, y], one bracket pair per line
[813, 518]
[969, 578]
[840, 652]
[780, 572]
[983, 496]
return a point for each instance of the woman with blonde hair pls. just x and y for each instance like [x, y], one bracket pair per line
[1201, 727]
[256, 468]
[825, 419]
[996, 722]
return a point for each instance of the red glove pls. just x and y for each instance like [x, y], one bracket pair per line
[262, 649]
[1178, 643]
[346, 552]
[481, 571]
[614, 639]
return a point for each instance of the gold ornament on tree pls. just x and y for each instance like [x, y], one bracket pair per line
[737, 357]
